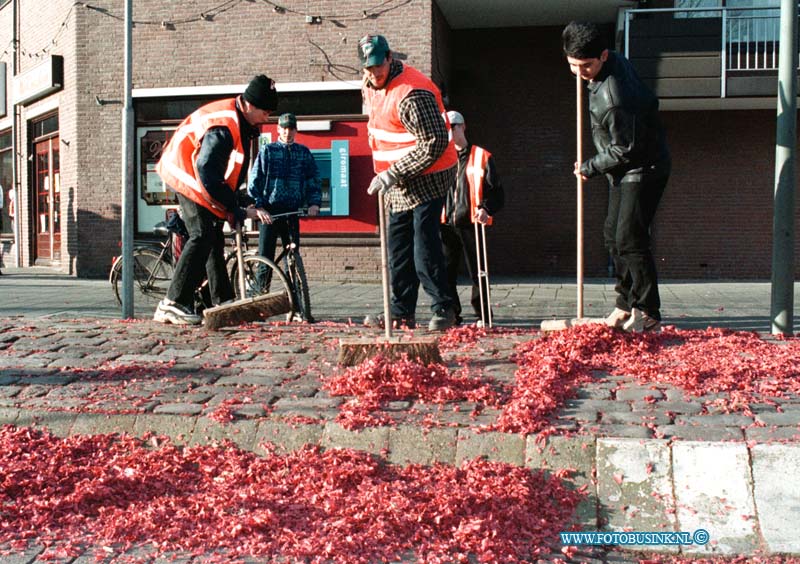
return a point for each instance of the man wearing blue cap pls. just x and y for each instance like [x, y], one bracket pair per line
[415, 162]
[283, 179]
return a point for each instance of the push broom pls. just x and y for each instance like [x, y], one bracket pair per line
[424, 350]
[559, 324]
[245, 310]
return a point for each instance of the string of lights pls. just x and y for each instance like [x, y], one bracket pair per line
[44, 51]
[169, 23]
[372, 12]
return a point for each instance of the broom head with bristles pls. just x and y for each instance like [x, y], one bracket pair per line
[247, 310]
[424, 350]
[561, 324]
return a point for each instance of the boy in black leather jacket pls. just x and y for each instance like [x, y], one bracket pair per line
[632, 153]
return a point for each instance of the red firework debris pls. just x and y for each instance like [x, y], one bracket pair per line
[339, 506]
[740, 364]
[379, 380]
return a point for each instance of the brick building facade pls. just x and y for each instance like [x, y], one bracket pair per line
[511, 84]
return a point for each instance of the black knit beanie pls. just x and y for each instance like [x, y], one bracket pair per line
[261, 93]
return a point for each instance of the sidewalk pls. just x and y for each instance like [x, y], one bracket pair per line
[39, 292]
[651, 457]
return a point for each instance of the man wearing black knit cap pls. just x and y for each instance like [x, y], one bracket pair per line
[205, 162]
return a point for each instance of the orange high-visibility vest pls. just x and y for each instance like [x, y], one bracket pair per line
[388, 138]
[477, 162]
[178, 163]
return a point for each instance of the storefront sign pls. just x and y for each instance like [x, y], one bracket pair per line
[39, 81]
[3, 90]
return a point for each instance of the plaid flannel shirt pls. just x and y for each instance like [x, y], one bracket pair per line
[419, 113]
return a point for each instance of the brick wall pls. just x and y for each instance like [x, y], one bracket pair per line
[517, 96]
[512, 85]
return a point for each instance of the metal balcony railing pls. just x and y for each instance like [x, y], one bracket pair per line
[749, 36]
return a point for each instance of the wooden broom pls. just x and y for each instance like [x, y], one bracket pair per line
[245, 310]
[558, 324]
[424, 350]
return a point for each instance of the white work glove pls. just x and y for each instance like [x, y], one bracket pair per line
[382, 183]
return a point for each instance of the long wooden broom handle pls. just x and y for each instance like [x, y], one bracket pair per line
[387, 310]
[579, 159]
[240, 262]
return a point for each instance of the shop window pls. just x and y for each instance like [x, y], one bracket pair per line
[6, 180]
[154, 199]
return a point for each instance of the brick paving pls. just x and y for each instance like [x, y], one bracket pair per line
[70, 366]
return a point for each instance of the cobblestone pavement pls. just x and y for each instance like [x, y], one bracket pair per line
[68, 365]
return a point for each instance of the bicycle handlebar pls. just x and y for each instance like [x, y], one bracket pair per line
[298, 212]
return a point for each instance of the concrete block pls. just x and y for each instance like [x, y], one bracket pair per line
[178, 408]
[101, 423]
[634, 486]
[8, 415]
[241, 432]
[286, 437]
[372, 439]
[502, 447]
[713, 489]
[177, 427]
[576, 454]
[777, 493]
[411, 444]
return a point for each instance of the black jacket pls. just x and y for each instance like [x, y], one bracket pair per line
[626, 129]
[212, 162]
[456, 204]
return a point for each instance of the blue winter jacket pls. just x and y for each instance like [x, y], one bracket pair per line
[284, 178]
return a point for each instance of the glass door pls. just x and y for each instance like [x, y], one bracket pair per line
[47, 184]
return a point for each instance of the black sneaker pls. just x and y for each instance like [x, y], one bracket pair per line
[378, 321]
[442, 320]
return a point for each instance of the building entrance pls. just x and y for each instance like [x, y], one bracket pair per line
[47, 200]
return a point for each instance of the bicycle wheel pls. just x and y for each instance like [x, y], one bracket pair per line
[297, 276]
[151, 276]
[261, 276]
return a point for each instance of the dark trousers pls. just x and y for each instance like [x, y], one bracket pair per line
[631, 208]
[460, 242]
[416, 256]
[203, 255]
[268, 235]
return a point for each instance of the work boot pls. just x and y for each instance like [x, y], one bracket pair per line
[442, 320]
[640, 322]
[175, 313]
[378, 321]
[617, 318]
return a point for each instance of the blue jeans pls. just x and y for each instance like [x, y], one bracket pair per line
[416, 255]
[203, 255]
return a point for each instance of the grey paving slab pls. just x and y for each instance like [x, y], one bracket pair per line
[374, 440]
[502, 447]
[714, 491]
[178, 428]
[575, 454]
[28, 556]
[634, 485]
[285, 436]
[777, 494]
[409, 444]
[203, 430]
[101, 423]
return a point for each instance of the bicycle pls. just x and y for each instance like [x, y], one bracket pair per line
[295, 272]
[154, 267]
